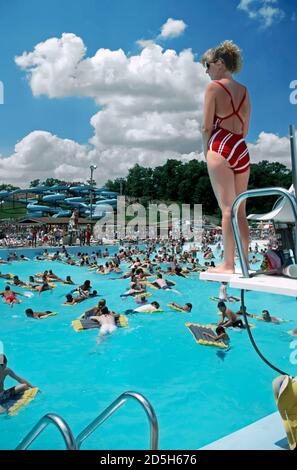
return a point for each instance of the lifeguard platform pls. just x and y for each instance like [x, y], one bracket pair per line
[267, 433]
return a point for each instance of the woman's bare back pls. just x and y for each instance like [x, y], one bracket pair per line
[224, 107]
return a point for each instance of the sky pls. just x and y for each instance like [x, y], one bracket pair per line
[119, 82]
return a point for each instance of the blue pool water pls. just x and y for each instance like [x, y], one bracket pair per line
[199, 394]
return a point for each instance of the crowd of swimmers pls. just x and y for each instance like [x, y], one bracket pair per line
[142, 265]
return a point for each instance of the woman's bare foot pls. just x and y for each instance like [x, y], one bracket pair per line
[222, 269]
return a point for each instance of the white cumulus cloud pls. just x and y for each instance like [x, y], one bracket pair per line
[172, 28]
[271, 147]
[40, 155]
[150, 108]
[149, 105]
[266, 12]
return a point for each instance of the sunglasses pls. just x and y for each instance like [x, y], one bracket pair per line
[207, 64]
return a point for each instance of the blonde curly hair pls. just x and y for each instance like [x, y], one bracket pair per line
[228, 52]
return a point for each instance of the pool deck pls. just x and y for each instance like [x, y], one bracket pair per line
[262, 283]
[266, 434]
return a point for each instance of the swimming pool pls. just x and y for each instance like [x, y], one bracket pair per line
[199, 393]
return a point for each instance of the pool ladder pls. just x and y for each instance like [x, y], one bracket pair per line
[72, 443]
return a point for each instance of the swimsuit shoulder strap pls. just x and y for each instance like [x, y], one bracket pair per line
[227, 91]
[242, 101]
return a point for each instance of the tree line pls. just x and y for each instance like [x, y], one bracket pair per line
[189, 183]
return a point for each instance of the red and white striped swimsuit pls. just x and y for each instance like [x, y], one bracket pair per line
[228, 144]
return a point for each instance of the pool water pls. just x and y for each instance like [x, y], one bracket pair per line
[199, 393]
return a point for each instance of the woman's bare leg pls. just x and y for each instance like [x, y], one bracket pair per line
[223, 184]
[241, 184]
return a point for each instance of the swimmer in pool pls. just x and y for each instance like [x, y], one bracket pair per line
[95, 311]
[186, 308]
[29, 312]
[152, 307]
[68, 280]
[10, 392]
[142, 300]
[107, 321]
[6, 276]
[269, 319]
[17, 282]
[229, 318]
[221, 335]
[10, 296]
[70, 300]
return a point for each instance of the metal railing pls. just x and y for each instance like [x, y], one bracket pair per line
[111, 409]
[234, 213]
[49, 418]
[74, 444]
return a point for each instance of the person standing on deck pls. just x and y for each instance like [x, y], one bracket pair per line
[226, 124]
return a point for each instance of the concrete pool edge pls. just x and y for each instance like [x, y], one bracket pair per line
[265, 434]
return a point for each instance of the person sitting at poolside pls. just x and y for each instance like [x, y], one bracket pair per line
[186, 308]
[231, 317]
[95, 311]
[9, 393]
[10, 296]
[221, 335]
[29, 312]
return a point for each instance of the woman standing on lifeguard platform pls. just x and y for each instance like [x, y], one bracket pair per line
[226, 124]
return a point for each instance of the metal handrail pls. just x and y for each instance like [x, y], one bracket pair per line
[115, 405]
[257, 193]
[47, 419]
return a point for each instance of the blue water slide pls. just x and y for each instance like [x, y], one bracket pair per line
[73, 201]
[109, 194]
[19, 191]
[82, 188]
[98, 190]
[27, 201]
[4, 194]
[62, 213]
[110, 202]
[60, 187]
[96, 215]
[53, 197]
[35, 214]
[38, 207]
[38, 189]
